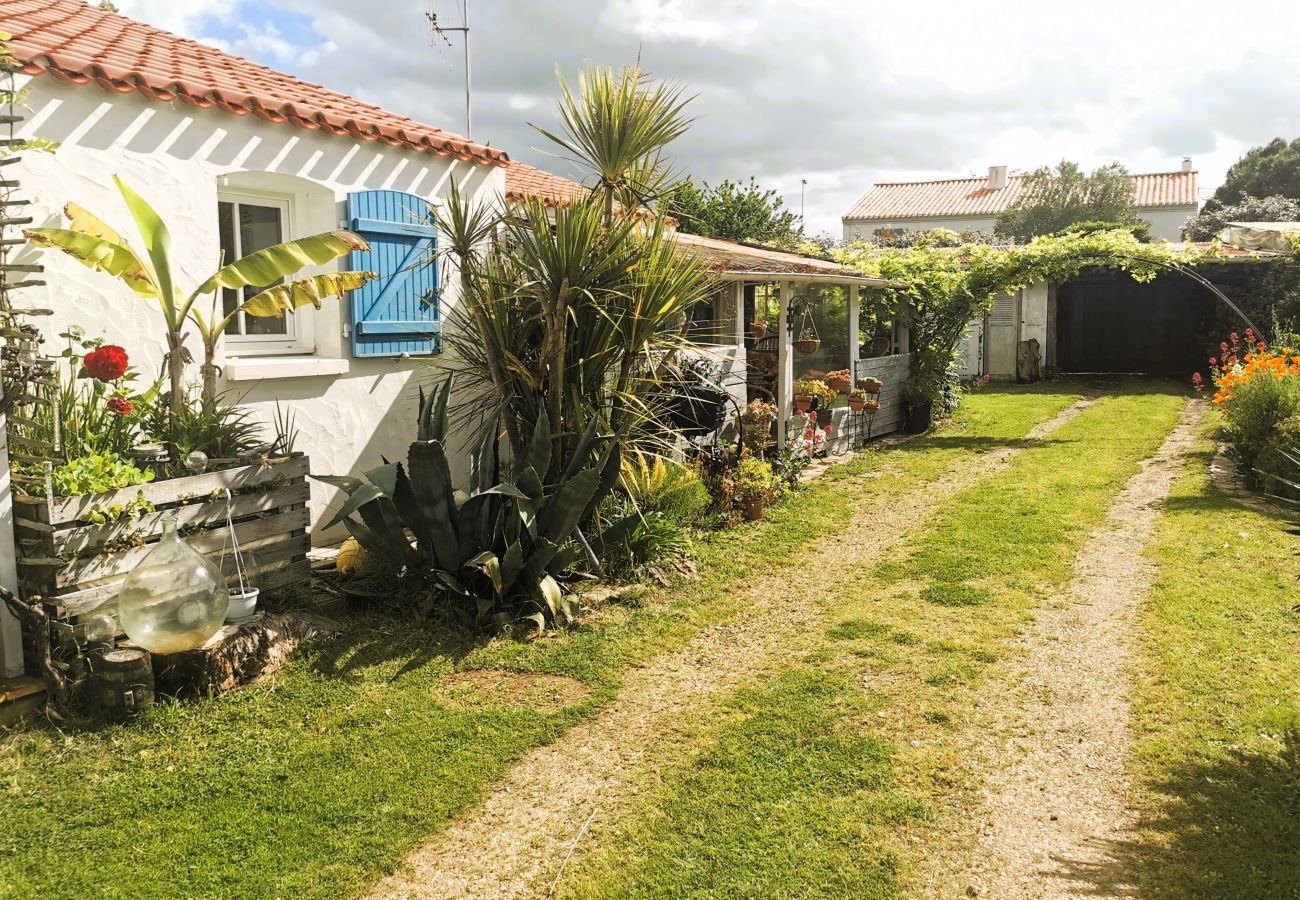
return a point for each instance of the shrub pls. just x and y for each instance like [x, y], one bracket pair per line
[1257, 389]
[1278, 464]
[754, 481]
[658, 485]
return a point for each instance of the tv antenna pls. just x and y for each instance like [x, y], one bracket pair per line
[439, 33]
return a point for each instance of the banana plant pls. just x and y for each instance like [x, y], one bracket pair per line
[90, 241]
[503, 550]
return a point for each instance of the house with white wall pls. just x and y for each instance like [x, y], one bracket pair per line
[1164, 201]
[236, 156]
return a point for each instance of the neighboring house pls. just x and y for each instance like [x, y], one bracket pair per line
[236, 156]
[1164, 201]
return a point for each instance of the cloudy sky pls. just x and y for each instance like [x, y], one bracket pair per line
[842, 94]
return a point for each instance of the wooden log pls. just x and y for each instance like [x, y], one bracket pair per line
[239, 654]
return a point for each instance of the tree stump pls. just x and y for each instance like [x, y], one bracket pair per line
[239, 654]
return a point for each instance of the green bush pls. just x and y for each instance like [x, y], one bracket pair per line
[658, 485]
[1257, 407]
[1276, 466]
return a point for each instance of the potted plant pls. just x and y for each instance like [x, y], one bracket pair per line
[918, 398]
[753, 487]
[812, 393]
[756, 423]
[806, 346]
[839, 381]
[871, 385]
[858, 399]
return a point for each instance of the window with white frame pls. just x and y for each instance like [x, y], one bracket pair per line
[248, 222]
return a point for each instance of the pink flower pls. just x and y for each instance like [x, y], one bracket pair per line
[1214, 361]
[1223, 345]
[1261, 347]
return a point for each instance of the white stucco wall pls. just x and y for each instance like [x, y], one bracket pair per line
[176, 156]
[1166, 223]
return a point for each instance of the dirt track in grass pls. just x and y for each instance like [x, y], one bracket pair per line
[514, 842]
[1058, 796]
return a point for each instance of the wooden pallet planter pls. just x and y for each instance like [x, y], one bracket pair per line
[77, 568]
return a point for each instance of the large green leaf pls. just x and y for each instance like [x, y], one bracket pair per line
[294, 295]
[538, 455]
[100, 254]
[282, 260]
[432, 486]
[564, 509]
[157, 243]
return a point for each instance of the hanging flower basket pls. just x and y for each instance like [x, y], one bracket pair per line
[807, 346]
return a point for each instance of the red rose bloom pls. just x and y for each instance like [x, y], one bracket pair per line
[108, 363]
[120, 405]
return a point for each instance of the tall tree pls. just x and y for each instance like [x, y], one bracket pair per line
[1267, 171]
[731, 211]
[1053, 199]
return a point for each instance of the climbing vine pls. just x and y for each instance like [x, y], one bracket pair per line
[940, 284]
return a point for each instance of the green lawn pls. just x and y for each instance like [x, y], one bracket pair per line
[318, 783]
[851, 761]
[1217, 704]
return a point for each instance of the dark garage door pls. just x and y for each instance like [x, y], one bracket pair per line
[1111, 323]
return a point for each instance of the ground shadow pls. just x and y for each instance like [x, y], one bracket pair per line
[1225, 827]
[371, 638]
[975, 443]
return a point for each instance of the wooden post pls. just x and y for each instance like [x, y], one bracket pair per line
[784, 362]
[11, 640]
[854, 345]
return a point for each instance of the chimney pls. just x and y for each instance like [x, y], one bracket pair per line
[1187, 164]
[997, 178]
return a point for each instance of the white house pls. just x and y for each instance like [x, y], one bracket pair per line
[236, 156]
[1164, 201]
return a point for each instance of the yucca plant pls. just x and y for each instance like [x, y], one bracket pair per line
[617, 125]
[90, 241]
[503, 551]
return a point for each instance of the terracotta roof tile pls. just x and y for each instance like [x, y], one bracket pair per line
[79, 43]
[524, 181]
[973, 197]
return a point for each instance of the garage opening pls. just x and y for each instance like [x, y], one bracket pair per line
[1107, 322]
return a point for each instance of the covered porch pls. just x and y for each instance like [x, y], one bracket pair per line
[779, 317]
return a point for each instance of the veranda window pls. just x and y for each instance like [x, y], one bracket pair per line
[248, 224]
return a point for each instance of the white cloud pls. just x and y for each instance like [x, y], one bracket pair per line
[841, 93]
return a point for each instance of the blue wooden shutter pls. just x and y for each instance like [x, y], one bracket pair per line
[396, 313]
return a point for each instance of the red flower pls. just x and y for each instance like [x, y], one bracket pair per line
[108, 363]
[1196, 379]
[120, 405]
[1213, 361]
[1261, 346]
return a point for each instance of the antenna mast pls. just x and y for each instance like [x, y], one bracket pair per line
[439, 32]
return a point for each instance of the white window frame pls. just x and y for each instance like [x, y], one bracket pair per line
[298, 339]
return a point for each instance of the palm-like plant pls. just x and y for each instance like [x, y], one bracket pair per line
[90, 241]
[564, 309]
[617, 126]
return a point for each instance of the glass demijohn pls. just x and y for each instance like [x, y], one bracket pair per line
[175, 599]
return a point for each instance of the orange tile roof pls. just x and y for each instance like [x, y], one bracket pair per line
[79, 43]
[973, 197]
[731, 257]
[525, 181]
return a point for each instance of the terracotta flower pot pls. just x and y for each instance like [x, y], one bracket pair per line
[871, 385]
[752, 509]
[806, 346]
[839, 385]
[856, 403]
[803, 402]
[871, 406]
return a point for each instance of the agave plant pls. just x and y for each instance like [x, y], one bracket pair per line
[94, 244]
[502, 551]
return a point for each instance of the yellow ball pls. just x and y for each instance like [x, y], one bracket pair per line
[351, 559]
